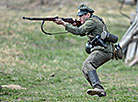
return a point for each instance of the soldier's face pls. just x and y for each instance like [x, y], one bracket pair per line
[82, 18]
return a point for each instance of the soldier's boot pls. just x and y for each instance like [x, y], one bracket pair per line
[95, 82]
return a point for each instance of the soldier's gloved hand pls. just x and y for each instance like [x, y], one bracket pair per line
[60, 22]
[74, 24]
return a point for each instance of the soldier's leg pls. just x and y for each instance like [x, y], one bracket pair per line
[94, 60]
[94, 81]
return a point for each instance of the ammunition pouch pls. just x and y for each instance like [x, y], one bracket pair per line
[106, 36]
[96, 41]
[118, 53]
[88, 47]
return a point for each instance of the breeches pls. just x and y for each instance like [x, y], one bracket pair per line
[94, 60]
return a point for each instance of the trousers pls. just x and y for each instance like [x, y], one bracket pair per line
[95, 60]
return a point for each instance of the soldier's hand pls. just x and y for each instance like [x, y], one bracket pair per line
[60, 22]
[74, 24]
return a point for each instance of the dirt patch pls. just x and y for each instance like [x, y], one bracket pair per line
[12, 86]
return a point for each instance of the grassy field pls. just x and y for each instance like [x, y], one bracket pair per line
[48, 68]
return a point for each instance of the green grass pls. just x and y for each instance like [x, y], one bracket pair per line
[29, 58]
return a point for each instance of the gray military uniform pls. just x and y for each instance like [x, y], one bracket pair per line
[99, 55]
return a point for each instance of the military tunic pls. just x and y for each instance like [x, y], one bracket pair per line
[91, 27]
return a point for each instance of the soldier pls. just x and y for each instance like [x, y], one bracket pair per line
[91, 26]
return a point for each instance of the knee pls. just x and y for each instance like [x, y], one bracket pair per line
[85, 64]
[85, 72]
[85, 67]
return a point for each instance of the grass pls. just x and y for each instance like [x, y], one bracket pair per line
[50, 66]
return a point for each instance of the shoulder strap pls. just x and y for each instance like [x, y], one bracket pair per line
[100, 20]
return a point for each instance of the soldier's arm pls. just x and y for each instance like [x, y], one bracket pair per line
[83, 29]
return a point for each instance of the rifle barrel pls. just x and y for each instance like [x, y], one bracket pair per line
[47, 19]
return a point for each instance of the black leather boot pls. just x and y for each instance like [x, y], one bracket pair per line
[96, 84]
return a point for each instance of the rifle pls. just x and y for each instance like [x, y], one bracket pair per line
[69, 20]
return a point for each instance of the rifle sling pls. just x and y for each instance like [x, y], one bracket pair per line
[42, 28]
